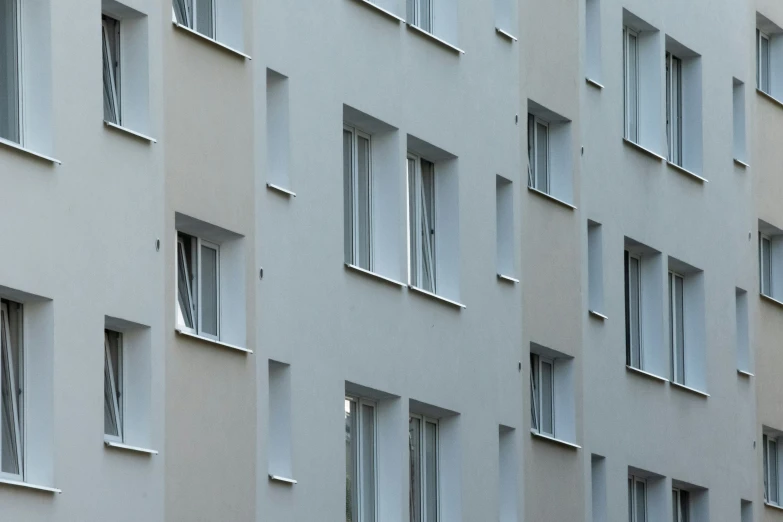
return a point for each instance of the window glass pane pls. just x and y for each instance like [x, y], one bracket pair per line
[348, 194]
[351, 451]
[531, 157]
[680, 321]
[675, 506]
[431, 456]
[112, 384]
[9, 451]
[184, 284]
[111, 59]
[414, 440]
[547, 413]
[773, 471]
[765, 65]
[205, 17]
[368, 463]
[182, 12]
[109, 418]
[675, 115]
[428, 225]
[209, 290]
[425, 13]
[634, 303]
[542, 157]
[632, 75]
[413, 230]
[641, 502]
[535, 403]
[363, 196]
[9, 71]
[766, 469]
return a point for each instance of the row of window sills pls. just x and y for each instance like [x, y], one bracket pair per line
[280, 189]
[27, 485]
[665, 380]
[284, 480]
[20, 148]
[125, 447]
[683, 170]
[769, 97]
[594, 83]
[771, 299]
[506, 34]
[126, 130]
[537, 434]
[183, 332]
[597, 315]
[211, 40]
[550, 197]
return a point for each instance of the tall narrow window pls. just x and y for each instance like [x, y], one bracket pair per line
[765, 265]
[542, 391]
[677, 327]
[421, 208]
[360, 472]
[11, 389]
[595, 268]
[680, 505]
[593, 39]
[198, 285]
[771, 471]
[112, 386]
[423, 445]
[637, 499]
[674, 108]
[10, 77]
[196, 14]
[358, 197]
[111, 70]
[762, 62]
[538, 153]
[633, 318]
[631, 87]
[420, 14]
[738, 120]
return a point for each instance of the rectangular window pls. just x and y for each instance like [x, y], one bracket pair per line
[598, 487]
[360, 467]
[421, 208]
[771, 471]
[680, 506]
[11, 390]
[765, 265]
[504, 222]
[637, 499]
[358, 184]
[677, 327]
[277, 130]
[198, 15]
[743, 336]
[674, 108]
[538, 153]
[595, 267]
[111, 70]
[738, 111]
[593, 39]
[631, 75]
[423, 445]
[420, 14]
[10, 73]
[113, 386]
[542, 394]
[633, 307]
[198, 281]
[763, 62]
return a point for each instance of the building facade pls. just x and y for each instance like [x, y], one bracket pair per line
[386, 261]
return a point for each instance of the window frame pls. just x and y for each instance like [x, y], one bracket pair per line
[19, 125]
[765, 286]
[763, 63]
[633, 481]
[17, 402]
[680, 505]
[533, 159]
[628, 109]
[416, 15]
[769, 467]
[673, 312]
[416, 258]
[189, 11]
[674, 127]
[358, 472]
[114, 69]
[356, 134]
[423, 419]
[117, 389]
[628, 319]
[195, 275]
[194, 11]
[537, 392]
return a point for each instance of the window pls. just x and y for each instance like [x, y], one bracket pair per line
[687, 330]
[507, 475]
[113, 386]
[10, 73]
[770, 261]
[199, 15]
[746, 507]
[680, 505]
[677, 327]
[743, 337]
[423, 228]
[424, 455]
[598, 487]
[360, 461]
[738, 104]
[595, 268]
[637, 499]
[771, 470]
[542, 394]
[593, 39]
[111, 70]
[674, 108]
[12, 387]
[552, 404]
[762, 62]
[198, 268]
[633, 308]
[683, 107]
[277, 130]
[631, 75]
[504, 223]
[420, 14]
[218, 20]
[358, 183]
[765, 265]
[538, 154]
[549, 169]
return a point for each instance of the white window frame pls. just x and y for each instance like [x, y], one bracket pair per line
[674, 107]
[417, 11]
[423, 467]
[533, 159]
[190, 11]
[20, 126]
[358, 469]
[633, 482]
[673, 312]
[763, 64]
[680, 505]
[113, 70]
[537, 392]
[771, 465]
[640, 322]
[117, 388]
[765, 286]
[629, 132]
[354, 196]
[195, 274]
[17, 389]
[417, 260]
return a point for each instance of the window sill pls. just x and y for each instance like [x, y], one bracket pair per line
[538, 435]
[380, 9]
[741, 163]
[683, 170]
[594, 83]
[374, 275]
[281, 189]
[435, 38]
[505, 34]
[771, 98]
[211, 40]
[597, 315]
[20, 484]
[284, 480]
[745, 373]
[508, 279]
[646, 374]
[212, 341]
[126, 130]
[436, 296]
[689, 389]
[135, 449]
[16, 146]
[550, 197]
[645, 150]
[773, 506]
[771, 299]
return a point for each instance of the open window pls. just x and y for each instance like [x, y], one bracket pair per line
[436, 17]
[549, 153]
[112, 386]
[769, 57]
[110, 32]
[219, 20]
[12, 390]
[552, 406]
[770, 261]
[772, 464]
[361, 475]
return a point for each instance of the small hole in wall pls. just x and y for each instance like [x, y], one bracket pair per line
[157, 245]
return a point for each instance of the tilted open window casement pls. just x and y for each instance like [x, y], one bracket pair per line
[10, 71]
[424, 455]
[198, 286]
[637, 499]
[11, 386]
[542, 394]
[771, 470]
[762, 62]
[361, 471]
[199, 15]
[677, 327]
[538, 154]
[421, 204]
[420, 14]
[633, 318]
[765, 265]
[113, 386]
[110, 32]
[680, 505]
[631, 83]
[357, 182]
[674, 108]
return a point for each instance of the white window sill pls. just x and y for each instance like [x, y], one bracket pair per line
[121, 446]
[508, 279]
[745, 373]
[211, 40]
[505, 34]
[281, 189]
[771, 98]
[126, 130]
[689, 389]
[741, 163]
[212, 341]
[550, 197]
[645, 150]
[597, 315]
[374, 275]
[555, 440]
[646, 374]
[771, 299]
[594, 83]
[435, 38]
[16, 146]
[20, 484]
[278, 478]
[380, 9]
[436, 297]
[683, 170]
[773, 506]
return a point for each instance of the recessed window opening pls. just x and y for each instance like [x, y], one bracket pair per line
[361, 458]
[357, 164]
[112, 105]
[422, 199]
[677, 327]
[199, 15]
[538, 154]
[674, 108]
[113, 386]
[12, 388]
[198, 269]
[424, 464]
[542, 393]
